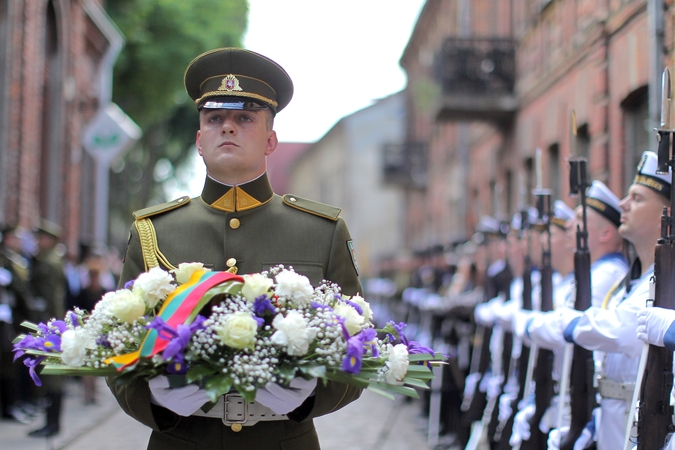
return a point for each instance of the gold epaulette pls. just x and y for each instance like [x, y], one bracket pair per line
[152, 256]
[312, 207]
[161, 208]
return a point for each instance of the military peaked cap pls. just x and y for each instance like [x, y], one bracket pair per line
[234, 78]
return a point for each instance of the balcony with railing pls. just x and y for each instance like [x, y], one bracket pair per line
[477, 79]
[405, 164]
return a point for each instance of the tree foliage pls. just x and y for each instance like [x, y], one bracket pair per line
[162, 37]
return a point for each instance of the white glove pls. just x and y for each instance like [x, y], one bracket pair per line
[521, 425]
[183, 400]
[484, 314]
[470, 384]
[5, 277]
[505, 401]
[556, 436]
[494, 386]
[283, 401]
[652, 324]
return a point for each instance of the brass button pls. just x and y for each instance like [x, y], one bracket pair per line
[231, 262]
[236, 427]
[234, 223]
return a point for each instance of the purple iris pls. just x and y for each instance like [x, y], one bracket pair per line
[399, 330]
[261, 305]
[356, 347]
[129, 284]
[32, 363]
[179, 338]
[74, 319]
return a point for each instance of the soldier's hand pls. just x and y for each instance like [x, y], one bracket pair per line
[653, 323]
[521, 425]
[183, 400]
[282, 400]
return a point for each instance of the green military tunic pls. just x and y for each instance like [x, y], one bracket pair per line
[48, 286]
[252, 228]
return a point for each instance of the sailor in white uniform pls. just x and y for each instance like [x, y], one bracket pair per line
[610, 328]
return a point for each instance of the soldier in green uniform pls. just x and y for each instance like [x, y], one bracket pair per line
[48, 286]
[239, 224]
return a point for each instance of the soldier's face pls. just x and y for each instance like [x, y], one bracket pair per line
[641, 213]
[235, 144]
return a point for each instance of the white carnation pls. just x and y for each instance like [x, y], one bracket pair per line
[293, 333]
[255, 285]
[74, 345]
[185, 271]
[125, 305]
[353, 320]
[365, 306]
[293, 286]
[153, 286]
[397, 363]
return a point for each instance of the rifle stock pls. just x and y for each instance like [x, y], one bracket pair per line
[655, 412]
[582, 393]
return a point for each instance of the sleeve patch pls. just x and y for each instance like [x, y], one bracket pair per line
[352, 253]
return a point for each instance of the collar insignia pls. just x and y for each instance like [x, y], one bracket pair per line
[230, 83]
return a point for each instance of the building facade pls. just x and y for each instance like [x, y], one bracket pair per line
[55, 68]
[344, 168]
[491, 81]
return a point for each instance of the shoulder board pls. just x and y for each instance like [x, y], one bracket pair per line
[161, 208]
[312, 207]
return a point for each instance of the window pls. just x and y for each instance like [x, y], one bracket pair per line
[637, 132]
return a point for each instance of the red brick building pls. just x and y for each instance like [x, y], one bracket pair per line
[55, 65]
[490, 81]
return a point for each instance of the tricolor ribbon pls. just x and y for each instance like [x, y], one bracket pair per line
[180, 307]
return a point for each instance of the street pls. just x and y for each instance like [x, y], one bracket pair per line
[373, 422]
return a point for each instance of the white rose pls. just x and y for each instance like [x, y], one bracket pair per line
[293, 286]
[185, 271]
[353, 320]
[397, 364]
[125, 305]
[74, 345]
[153, 286]
[365, 306]
[239, 330]
[293, 333]
[255, 285]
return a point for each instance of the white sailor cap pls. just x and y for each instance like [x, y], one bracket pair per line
[561, 214]
[517, 219]
[490, 226]
[646, 175]
[602, 200]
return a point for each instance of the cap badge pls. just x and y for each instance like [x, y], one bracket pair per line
[230, 83]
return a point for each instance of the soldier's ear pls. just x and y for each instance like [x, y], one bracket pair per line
[198, 143]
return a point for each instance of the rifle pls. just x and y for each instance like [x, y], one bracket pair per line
[518, 368]
[582, 392]
[543, 371]
[655, 419]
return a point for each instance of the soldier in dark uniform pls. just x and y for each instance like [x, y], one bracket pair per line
[238, 223]
[15, 387]
[48, 285]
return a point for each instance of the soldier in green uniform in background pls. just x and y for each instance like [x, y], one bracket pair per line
[48, 286]
[238, 224]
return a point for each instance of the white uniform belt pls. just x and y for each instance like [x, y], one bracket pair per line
[233, 409]
[613, 389]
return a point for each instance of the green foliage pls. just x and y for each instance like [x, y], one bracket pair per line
[162, 37]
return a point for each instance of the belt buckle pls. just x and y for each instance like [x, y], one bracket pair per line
[226, 410]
